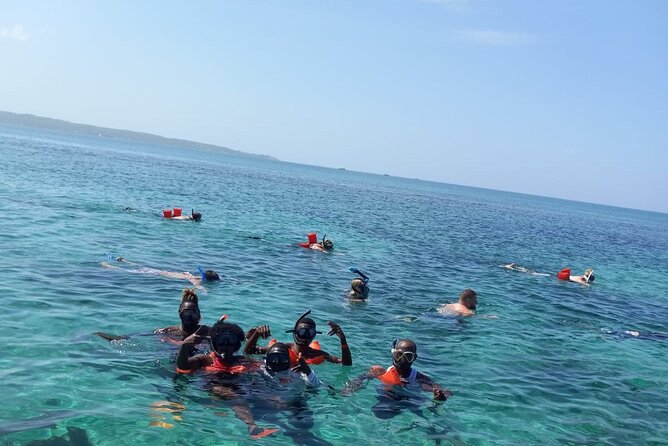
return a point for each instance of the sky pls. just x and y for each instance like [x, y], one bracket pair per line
[566, 99]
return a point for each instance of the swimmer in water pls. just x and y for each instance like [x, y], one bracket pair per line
[226, 339]
[194, 216]
[401, 373]
[189, 313]
[466, 306]
[303, 333]
[325, 246]
[585, 279]
[647, 335]
[359, 290]
[196, 280]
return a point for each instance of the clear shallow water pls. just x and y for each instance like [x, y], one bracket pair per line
[543, 372]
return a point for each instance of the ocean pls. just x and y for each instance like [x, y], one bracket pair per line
[553, 366]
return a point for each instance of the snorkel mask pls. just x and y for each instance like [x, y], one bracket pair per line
[402, 358]
[327, 245]
[589, 276]
[189, 316]
[277, 358]
[303, 335]
[224, 342]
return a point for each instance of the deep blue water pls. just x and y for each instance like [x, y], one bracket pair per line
[544, 371]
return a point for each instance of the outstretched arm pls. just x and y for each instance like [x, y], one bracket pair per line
[430, 386]
[357, 383]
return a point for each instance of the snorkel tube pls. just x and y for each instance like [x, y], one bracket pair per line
[294, 329]
[363, 276]
[202, 272]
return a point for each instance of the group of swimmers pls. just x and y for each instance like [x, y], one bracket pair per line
[215, 350]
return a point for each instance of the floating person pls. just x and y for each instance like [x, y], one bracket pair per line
[194, 216]
[585, 279]
[197, 280]
[226, 339]
[466, 306]
[359, 290]
[325, 245]
[176, 214]
[565, 274]
[400, 374]
[304, 344]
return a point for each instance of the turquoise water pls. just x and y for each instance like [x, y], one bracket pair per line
[544, 371]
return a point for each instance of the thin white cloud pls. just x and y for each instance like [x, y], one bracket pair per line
[495, 38]
[16, 32]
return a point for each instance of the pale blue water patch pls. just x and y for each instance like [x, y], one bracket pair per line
[542, 372]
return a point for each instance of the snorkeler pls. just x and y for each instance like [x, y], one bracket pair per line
[304, 333]
[277, 364]
[585, 279]
[648, 335]
[359, 290]
[565, 274]
[189, 313]
[325, 245]
[226, 339]
[401, 373]
[468, 300]
[194, 216]
[197, 280]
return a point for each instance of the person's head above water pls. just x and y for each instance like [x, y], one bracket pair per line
[359, 288]
[209, 275]
[469, 299]
[189, 308]
[195, 216]
[277, 358]
[305, 330]
[589, 275]
[226, 338]
[404, 353]
[327, 245]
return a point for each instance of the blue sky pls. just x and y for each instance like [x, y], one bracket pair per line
[565, 98]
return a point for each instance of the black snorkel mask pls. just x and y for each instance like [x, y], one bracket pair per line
[225, 339]
[303, 335]
[277, 359]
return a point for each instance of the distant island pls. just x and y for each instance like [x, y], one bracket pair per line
[32, 121]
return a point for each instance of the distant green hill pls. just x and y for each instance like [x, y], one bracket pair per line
[39, 122]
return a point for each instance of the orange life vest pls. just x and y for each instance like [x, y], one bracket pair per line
[564, 274]
[391, 376]
[218, 366]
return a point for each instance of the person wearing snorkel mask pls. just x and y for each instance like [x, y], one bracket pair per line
[585, 279]
[197, 279]
[326, 244]
[189, 314]
[194, 216]
[303, 334]
[401, 373]
[468, 301]
[277, 364]
[359, 290]
[226, 339]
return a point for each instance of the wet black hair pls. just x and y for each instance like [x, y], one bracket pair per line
[227, 327]
[308, 321]
[210, 275]
[327, 245]
[196, 216]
